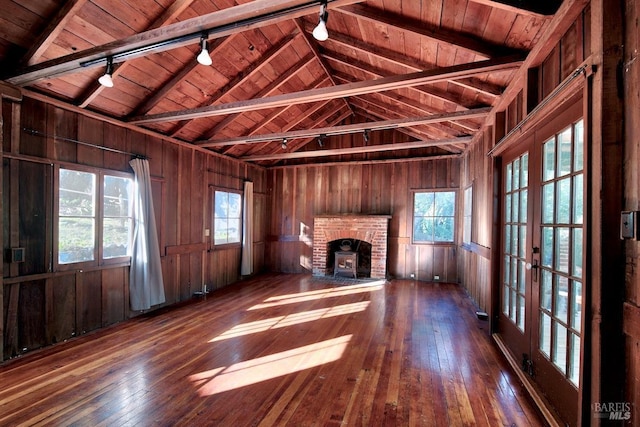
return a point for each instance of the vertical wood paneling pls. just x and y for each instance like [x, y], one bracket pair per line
[632, 198]
[62, 324]
[301, 193]
[63, 305]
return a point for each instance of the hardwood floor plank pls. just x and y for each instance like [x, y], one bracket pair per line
[278, 350]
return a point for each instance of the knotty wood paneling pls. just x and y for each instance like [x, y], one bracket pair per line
[299, 193]
[42, 306]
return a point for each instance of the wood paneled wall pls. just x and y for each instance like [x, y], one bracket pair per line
[299, 193]
[631, 313]
[42, 306]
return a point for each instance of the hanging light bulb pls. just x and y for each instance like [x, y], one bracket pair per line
[106, 80]
[321, 140]
[203, 57]
[365, 136]
[320, 33]
[284, 143]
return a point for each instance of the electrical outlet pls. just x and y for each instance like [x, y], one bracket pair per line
[436, 277]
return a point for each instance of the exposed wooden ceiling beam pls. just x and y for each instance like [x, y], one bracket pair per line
[393, 99]
[267, 90]
[55, 27]
[376, 72]
[375, 113]
[411, 64]
[242, 149]
[225, 22]
[271, 148]
[442, 35]
[352, 128]
[314, 48]
[168, 15]
[350, 89]
[243, 76]
[152, 100]
[528, 8]
[357, 150]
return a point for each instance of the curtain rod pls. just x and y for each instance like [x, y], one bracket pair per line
[88, 144]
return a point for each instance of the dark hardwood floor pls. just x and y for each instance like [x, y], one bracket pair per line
[278, 350]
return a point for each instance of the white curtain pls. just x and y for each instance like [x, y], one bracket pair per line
[246, 267]
[146, 287]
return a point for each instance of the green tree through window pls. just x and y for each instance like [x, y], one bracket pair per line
[433, 216]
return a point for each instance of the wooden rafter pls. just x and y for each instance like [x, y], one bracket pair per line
[55, 27]
[352, 128]
[393, 99]
[513, 8]
[290, 123]
[171, 13]
[375, 113]
[441, 35]
[152, 100]
[269, 89]
[357, 150]
[376, 72]
[243, 76]
[412, 64]
[222, 23]
[314, 48]
[350, 89]
[296, 145]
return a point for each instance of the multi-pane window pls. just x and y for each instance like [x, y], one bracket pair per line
[433, 216]
[117, 216]
[94, 210]
[227, 218]
[562, 250]
[76, 216]
[468, 215]
[515, 239]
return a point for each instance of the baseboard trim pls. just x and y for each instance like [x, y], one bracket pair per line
[540, 401]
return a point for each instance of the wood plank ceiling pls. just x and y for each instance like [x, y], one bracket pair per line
[402, 78]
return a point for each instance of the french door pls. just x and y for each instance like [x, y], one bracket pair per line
[541, 315]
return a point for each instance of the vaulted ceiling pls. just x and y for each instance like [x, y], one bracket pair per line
[403, 78]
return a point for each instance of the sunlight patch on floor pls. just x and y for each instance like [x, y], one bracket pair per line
[319, 294]
[253, 371]
[291, 319]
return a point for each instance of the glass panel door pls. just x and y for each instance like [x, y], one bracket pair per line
[562, 234]
[515, 240]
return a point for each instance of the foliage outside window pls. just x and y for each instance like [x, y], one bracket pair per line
[433, 216]
[117, 221]
[79, 212]
[468, 215]
[76, 216]
[227, 217]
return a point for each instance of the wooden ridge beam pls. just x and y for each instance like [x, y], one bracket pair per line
[350, 89]
[221, 23]
[357, 150]
[352, 128]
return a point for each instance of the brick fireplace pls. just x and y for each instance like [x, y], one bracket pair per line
[369, 228]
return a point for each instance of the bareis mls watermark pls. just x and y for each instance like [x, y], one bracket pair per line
[612, 410]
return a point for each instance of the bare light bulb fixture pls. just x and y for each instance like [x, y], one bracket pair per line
[320, 31]
[284, 143]
[203, 57]
[106, 80]
[365, 136]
